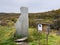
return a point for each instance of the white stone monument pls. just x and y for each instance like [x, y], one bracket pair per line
[22, 23]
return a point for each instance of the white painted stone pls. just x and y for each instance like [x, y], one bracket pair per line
[22, 23]
[21, 39]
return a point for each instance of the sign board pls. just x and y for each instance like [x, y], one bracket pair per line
[40, 27]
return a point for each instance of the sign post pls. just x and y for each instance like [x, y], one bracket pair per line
[48, 30]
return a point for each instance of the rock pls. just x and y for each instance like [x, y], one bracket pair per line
[21, 40]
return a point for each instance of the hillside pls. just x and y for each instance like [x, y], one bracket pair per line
[49, 17]
[52, 14]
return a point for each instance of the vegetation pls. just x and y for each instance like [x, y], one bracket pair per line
[49, 17]
[7, 35]
[37, 38]
[34, 38]
[7, 29]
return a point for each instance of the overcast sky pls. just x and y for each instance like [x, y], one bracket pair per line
[13, 6]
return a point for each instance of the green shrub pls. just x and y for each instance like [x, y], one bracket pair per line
[7, 35]
[36, 38]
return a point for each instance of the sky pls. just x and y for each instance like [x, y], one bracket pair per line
[13, 6]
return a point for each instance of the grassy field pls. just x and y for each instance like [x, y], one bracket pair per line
[7, 35]
[41, 38]
[34, 38]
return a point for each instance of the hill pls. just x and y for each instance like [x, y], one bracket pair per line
[49, 17]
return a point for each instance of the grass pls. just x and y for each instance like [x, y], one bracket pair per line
[7, 35]
[34, 38]
[54, 39]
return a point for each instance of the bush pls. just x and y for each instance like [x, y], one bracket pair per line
[7, 35]
[36, 37]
